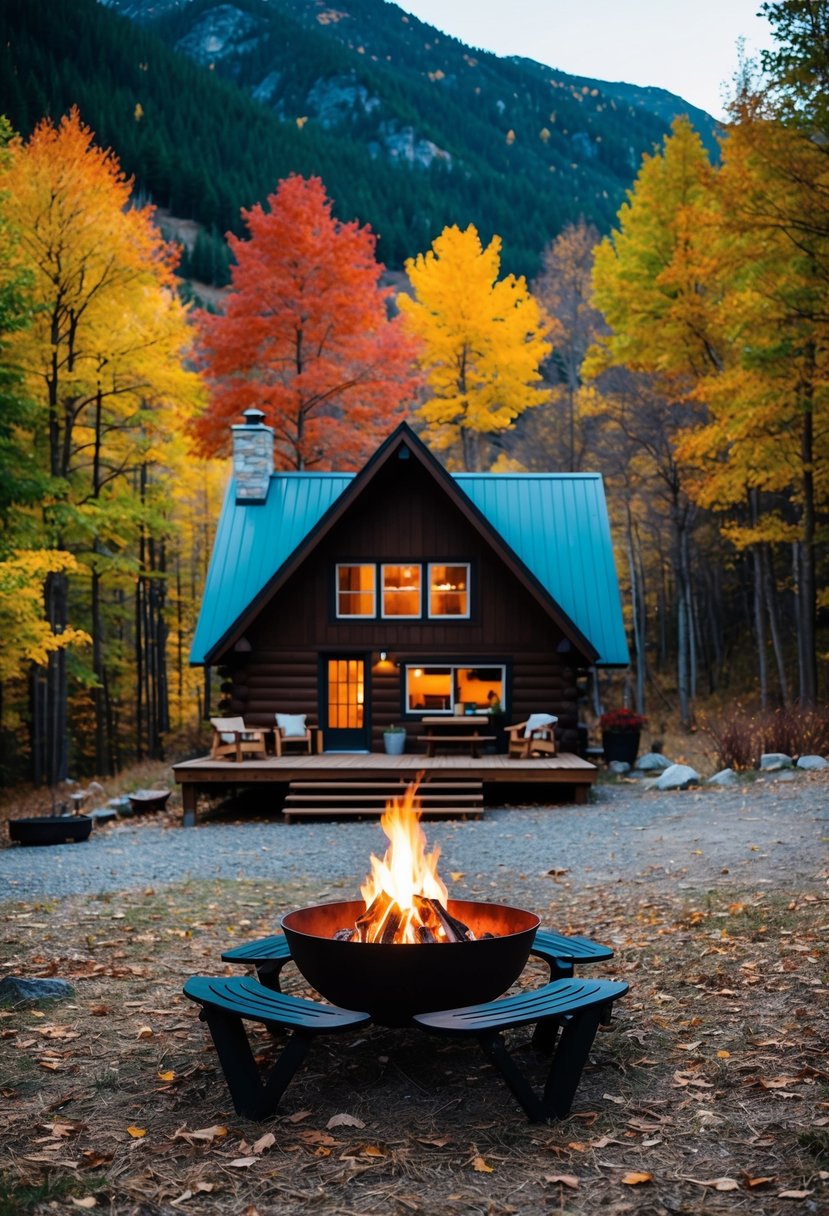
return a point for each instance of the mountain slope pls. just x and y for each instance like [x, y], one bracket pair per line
[409, 129]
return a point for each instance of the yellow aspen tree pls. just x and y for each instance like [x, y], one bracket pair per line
[483, 340]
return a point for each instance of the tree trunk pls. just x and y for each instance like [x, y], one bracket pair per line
[807, 597]
[770, 596]
[760, 627]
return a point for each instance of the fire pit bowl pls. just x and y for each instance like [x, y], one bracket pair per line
[392, 982]
[50, 829]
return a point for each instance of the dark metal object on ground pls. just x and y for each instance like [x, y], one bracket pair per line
[394, 981]
[50, 829]
[148, 800]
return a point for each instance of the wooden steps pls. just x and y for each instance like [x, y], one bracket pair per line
[344, 797]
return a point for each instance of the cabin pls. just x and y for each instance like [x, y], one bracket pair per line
[404, 591]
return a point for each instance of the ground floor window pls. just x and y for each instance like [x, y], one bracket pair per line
[448, 688]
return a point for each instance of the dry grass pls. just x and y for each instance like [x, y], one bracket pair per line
[712, 1080]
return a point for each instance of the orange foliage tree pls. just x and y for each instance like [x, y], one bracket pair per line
[306, 335]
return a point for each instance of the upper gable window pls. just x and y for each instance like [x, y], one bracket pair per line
[449, 589]
[401, 590]
[357, 590]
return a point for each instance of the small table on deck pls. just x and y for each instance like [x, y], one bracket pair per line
[462, 729]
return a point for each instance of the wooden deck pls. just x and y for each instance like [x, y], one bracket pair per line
[205, 775]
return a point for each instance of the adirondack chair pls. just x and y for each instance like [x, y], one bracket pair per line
[232, 740]
[533, 737]
[293, 729]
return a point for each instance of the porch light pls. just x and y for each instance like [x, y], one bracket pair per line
[384, 654]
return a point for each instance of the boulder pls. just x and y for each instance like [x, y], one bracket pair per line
[14, 989]
[653, 762]
[813, 764]
[725, 776]
[771, 762]
[678, 777]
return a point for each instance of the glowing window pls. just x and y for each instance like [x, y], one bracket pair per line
[356, 590]
[401, 590]
[452, 688]
[449, 590]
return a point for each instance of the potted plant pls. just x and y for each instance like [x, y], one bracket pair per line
[394, 740]
[621, 729]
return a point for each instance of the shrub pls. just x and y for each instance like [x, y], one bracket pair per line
[741, 738]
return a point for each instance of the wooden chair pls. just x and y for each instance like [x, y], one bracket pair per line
[286, 733]
[232, 740]
[539, 740]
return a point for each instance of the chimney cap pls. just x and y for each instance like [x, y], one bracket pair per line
[253, 416]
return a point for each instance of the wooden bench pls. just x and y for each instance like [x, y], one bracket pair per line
[469, 741]
[569, 1011]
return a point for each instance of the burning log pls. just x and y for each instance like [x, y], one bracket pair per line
[375, 912]
[345, 935]
[425, 935]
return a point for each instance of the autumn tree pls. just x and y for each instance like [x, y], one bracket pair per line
[102, 360]
[305, 335]
[651, 289]
[483, 341]
[565, 289]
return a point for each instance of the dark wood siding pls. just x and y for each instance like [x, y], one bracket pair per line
[403, 515]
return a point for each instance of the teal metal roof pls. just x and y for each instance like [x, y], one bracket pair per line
[556, 523]
[253, 542]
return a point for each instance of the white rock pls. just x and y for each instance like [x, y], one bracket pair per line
[678, 777]
[770, 762]
[813, 764]
[725, 776]
[618, 767]
[653, 762]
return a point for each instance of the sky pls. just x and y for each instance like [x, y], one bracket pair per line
[686, 46]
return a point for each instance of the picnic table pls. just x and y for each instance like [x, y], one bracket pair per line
[463, 729]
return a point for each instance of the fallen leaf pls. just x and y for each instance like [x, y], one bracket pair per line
[264, 1142]
[88, 1201]
[243, 1162]
[144, 1032]
[298, 1116]
[456, 875]
[565, 1179]
[480, 1166]
[208, 1134]
[793, 1194]
[371, 1150]
[136, 1132]
[718, 1184]
[779, 1082]
[635, 1177]
[167, 1075]
[183, 1197]
[344, 1120]
[749, 1181]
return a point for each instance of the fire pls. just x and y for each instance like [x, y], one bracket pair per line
[405, 898]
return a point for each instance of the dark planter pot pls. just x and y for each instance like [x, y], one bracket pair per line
[498, 722]
[50, 829]
[621, 745]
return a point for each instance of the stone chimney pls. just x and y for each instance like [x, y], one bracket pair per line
[252, 457]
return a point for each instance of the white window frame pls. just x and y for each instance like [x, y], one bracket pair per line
[400, 616]
[448, 616]
[355, 616]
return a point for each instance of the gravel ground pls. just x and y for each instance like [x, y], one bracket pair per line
[771, 830]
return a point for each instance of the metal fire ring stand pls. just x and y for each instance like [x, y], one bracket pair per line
[566, 1013]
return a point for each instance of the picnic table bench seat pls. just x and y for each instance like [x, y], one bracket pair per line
[227, 1001]
[575, 1007]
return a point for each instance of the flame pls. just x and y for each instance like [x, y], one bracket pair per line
[406, 872]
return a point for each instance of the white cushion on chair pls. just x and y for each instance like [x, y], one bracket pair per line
[291, 725]
[537, 720]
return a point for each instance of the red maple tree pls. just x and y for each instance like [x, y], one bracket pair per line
[306, 336]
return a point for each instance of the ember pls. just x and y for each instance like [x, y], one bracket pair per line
[404, 896]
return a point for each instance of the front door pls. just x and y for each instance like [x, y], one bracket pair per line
[346, 715]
